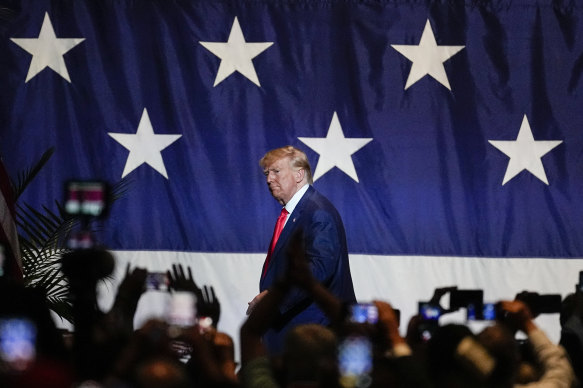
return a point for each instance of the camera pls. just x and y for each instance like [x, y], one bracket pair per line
[541, 304]
[465, 298]
[364, 313]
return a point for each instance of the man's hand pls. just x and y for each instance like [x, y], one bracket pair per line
[254, 302]
[517, 316]
[389, 322]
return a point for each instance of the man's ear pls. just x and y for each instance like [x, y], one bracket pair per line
[300, 174]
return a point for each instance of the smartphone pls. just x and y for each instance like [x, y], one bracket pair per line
[355, 361]
[181, 312]
[549, 303]
[463, 298]
[364, 313]
[81, 240]
[17, 343]
[579, 287]
[429, 311]
[157, 281]
[87, 198]
[483, 312]
[490, 311]
[430, 314]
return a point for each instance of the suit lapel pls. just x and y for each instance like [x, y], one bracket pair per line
[291, 225]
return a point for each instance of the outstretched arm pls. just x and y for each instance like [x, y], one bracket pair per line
[554, 361]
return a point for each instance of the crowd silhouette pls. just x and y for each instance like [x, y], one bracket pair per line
[105, 350]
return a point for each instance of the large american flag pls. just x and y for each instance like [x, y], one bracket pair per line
[449, 135]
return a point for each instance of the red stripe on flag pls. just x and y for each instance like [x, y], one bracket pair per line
[8, 232]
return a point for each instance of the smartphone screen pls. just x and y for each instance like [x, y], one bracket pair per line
[489, 311]
[85, 198]
[157, 281]
[429, 311]
[355, 361]
[81, 240]
[182, 312]
[17, 343]
[364, 313]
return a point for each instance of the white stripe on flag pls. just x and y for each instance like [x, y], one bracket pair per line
[401, 280]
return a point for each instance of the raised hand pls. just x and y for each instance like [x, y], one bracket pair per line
[179, 281]
[208, 305]
[132, 285]
[516, 316]
[121, 315]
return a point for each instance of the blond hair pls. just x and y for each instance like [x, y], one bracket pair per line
[297, 159]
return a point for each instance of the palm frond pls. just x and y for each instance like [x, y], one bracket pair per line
[62, 307]
[43, 236]
[120, 188]
[25, 177]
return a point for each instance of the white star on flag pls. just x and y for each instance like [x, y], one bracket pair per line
[144, 146]
[236, 55]
[335, 150]
[525, 153]
[47, 50]
[427, 58]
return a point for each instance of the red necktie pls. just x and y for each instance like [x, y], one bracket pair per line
[276, 232]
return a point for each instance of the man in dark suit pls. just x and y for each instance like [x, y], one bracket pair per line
[288, 176]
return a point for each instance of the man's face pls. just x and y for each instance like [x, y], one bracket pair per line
[282, 180]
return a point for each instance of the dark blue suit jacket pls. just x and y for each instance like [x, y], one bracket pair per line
[325, 241]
